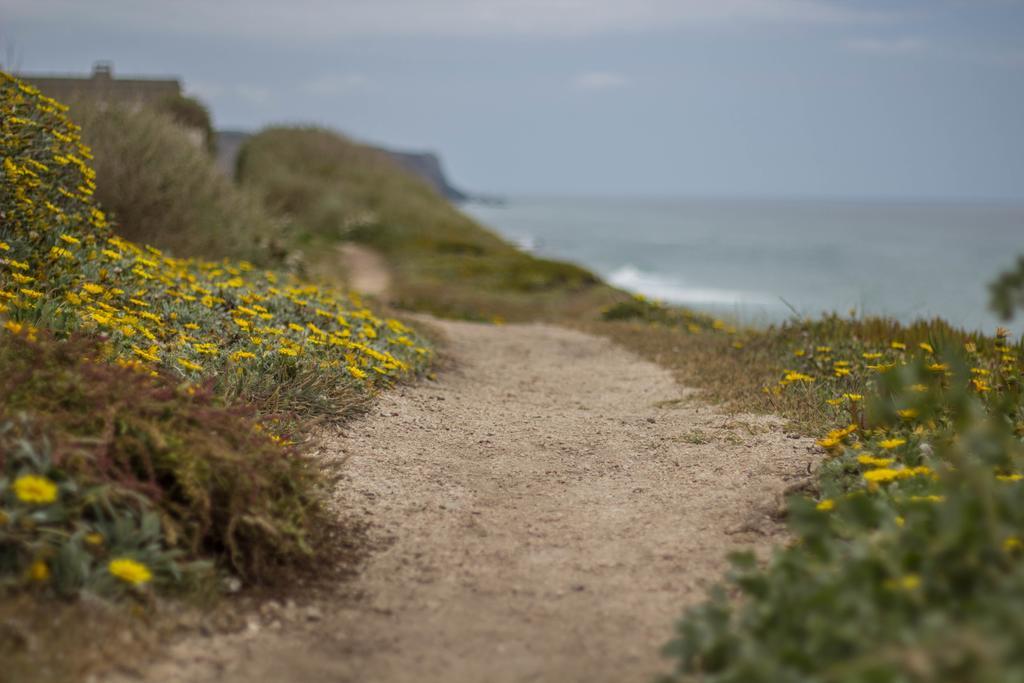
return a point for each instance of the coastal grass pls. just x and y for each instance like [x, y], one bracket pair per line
[442, 261]
[740, 369]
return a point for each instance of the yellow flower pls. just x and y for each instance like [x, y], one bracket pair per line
[792, 376]
[1009, 477]
[1012, 543]
[899, 346]
[871, 356]
[826, 505]
[31, 293]
[868, 459]
[882, 475]
[853, 398]
[907, 413]
[38, 571]
[70, 240]
[906, 583]
[92, 288]
[189, 365]
[286, 351]
[926, 347]
[32, 488]
[4, 246]
[889, 444]
[94, 538]
[149, 355]
[130, 571]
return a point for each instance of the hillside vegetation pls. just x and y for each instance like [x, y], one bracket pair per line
[161, 189]
[443, 262]
[148, 400]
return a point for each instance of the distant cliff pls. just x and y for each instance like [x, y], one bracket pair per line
[425, 165]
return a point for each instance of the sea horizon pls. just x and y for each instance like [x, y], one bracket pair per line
[763, 260]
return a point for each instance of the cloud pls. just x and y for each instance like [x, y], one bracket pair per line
[302, 20]
[599, 80]
[886, 47]
[333, 84]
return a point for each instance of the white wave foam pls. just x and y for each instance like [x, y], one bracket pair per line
[669, 289]
[524, 242]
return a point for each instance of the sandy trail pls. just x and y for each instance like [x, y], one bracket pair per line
[365, 269]
[548, 507]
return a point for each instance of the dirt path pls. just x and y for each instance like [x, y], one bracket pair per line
[365, 268]
[548, 507]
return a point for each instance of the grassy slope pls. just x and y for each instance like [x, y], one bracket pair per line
[443, 261]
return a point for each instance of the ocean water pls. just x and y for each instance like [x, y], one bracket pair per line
[759, 261]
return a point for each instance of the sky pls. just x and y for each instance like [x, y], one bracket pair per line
[891, 99]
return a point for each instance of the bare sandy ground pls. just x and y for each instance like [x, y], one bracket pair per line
[365, 269]
[546, 510]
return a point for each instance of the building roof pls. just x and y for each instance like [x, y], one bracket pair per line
[102, 85]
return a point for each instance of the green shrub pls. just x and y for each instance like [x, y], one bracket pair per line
[1007, 291]
[908, 566]
[161, 189]
[191, 114]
